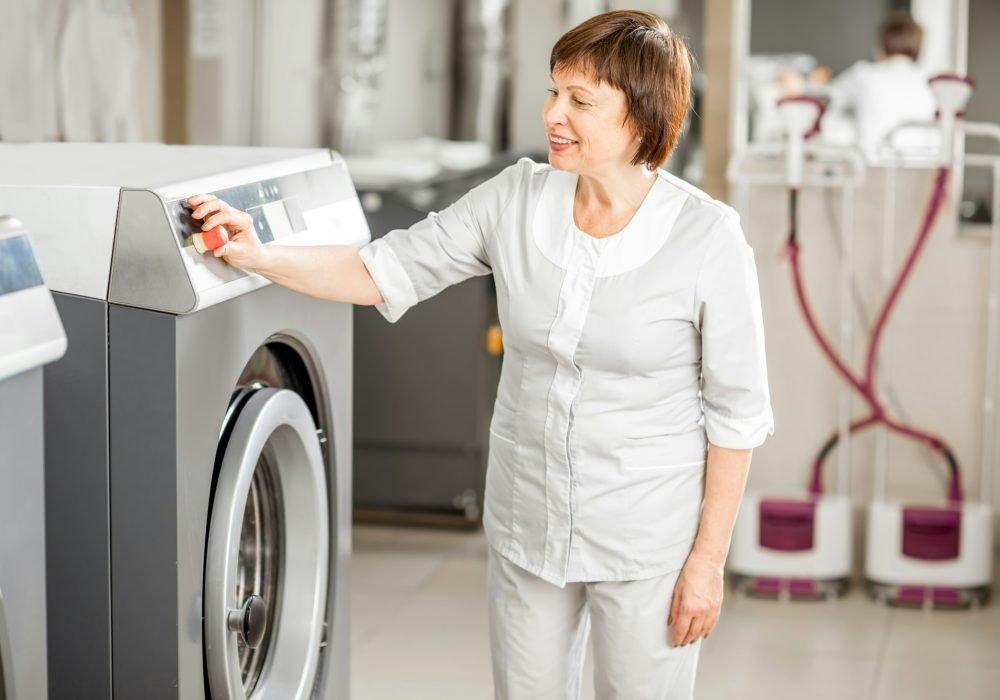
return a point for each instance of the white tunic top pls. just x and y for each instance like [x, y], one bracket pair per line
[622, 356]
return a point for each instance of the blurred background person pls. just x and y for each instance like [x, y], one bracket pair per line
[871, 98]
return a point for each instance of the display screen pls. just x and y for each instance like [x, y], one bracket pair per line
[18, 269]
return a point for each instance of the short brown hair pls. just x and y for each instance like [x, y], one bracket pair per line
[901, 35]
[636, 53]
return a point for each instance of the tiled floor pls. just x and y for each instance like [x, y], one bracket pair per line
[419, 631]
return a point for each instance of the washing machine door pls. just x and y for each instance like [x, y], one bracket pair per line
[6, 665]
[266, 569]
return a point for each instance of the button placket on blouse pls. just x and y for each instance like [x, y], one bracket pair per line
[564, 338]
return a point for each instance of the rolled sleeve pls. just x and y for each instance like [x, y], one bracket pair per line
[393, 283]
[735, 395]
[411, 265]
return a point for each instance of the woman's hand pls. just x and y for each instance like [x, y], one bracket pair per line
[244, 249]
[697, 601]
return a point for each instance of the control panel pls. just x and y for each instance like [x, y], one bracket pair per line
[290, 204]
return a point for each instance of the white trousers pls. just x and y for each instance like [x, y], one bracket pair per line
[538, 637]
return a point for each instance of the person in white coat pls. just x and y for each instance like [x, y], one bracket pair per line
[633, 386]
[877, 96]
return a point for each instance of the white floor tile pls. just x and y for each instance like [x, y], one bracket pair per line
[849, 626]
[923, 680]
[419, 630]
[391, 571]
[377, 688]
[371, 611]
[759, 674]
[959, 637]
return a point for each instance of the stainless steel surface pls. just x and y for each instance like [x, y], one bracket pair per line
[161, 383]
[148, 270]
[103, 215]
[275, 426]
[22, 538]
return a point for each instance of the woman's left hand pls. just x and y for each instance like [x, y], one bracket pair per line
[697, 601]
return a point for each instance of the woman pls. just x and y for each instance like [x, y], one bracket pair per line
[633, 385]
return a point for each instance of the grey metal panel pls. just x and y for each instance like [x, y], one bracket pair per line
[147, 270]
[423, 480]
[6, 665]
[77, 528]
[72, 232]
[22, 535]
[212, 347]
[142, 411]
[419, 375]
[426, 384]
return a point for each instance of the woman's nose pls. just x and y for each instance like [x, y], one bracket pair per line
[553, 113]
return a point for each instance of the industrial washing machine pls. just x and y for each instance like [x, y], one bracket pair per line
[198, 431]
[30, 336]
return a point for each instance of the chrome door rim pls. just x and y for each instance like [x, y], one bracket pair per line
[274, 425]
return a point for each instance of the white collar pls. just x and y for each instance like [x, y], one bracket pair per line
[555, 232]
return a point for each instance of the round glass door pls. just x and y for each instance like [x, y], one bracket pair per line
[268, 553]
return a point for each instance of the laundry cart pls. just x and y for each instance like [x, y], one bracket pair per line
[425, 386]
[198, 430]
[30, 336]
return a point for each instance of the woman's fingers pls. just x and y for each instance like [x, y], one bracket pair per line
[235, 221]
[682, 626]
[690, 623]
[243, 249]
[697, 630]
[208, 208]
[200, 199]
[709, 627]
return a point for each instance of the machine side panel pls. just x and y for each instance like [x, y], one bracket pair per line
[147, 270]
[77, 528]
[72, 232]
[22, 537]
[142, 397]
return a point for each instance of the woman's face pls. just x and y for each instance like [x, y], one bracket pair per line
[585, 124]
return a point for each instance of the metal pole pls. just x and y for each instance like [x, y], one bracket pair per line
[990, 372]
[846, 336]
[885, 277]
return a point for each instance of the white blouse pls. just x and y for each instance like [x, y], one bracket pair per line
[623, 358]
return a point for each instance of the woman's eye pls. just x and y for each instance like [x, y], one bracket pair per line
[581, 103]
[553, 92]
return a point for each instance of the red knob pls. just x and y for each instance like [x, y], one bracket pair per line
[211, 239]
